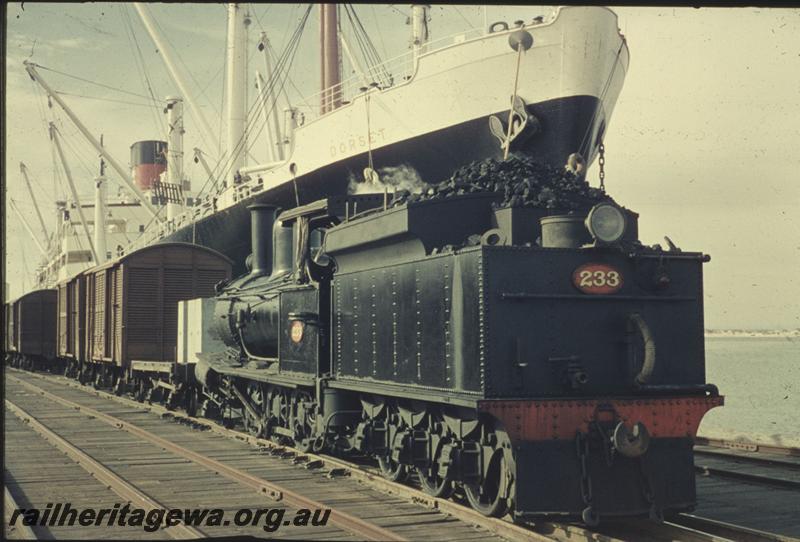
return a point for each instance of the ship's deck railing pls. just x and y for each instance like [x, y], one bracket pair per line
[159, 231]
[392, 72]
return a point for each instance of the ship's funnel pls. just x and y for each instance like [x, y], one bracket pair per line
[262, 219]
[148, 161]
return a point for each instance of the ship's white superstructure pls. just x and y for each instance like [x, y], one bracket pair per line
[124, 219]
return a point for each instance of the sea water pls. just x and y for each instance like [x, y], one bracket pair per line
[760, 379]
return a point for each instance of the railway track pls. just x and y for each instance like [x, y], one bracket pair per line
[123, 449]
[770, 469]
[684, 527]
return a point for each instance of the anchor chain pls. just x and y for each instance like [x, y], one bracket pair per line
[602, 162]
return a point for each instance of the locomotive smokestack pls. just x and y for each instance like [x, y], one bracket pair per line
[262, 219]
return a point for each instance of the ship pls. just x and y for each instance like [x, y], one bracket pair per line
[545, 88]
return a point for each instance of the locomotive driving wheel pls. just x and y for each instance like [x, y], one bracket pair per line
[252, 425]
[303, 422]
[490, 497]
[141, 390]
[432, 483]
[119, 385]
[253, 417]
[392, 470]
[191, 402]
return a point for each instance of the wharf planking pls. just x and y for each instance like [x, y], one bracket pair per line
[176, 482]
[726, 501]
[41, 474]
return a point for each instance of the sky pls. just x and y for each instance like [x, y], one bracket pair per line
[702, 144]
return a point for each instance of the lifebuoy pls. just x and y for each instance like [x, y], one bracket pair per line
[503, 24]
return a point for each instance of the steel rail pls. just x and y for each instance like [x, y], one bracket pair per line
[657, 531]
[684, 527]
[505, 529]
[20, 531]
[119, 486]
[732, 455]
[785, 483]
[338, 518]
[729, 530]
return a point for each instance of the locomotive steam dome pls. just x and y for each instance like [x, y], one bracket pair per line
[148, 162]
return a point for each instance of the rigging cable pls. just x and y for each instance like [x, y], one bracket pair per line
[256, 109]
[222, 119]
[377, 27]
[368, 50]
[602, 97]
[141, 66]
[90, 81]
[463, 17]
[107, 100]
[180, 59]
[39, 98]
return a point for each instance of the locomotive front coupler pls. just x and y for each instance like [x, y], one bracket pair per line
[608, 432]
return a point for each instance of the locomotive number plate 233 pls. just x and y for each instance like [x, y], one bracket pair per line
[597, 278]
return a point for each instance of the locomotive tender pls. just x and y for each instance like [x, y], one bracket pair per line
[550, 366]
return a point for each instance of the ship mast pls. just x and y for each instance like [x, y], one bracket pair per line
[54, 136]
[419, 28]
[100, 197]
[175, 155]
[27, 226]
[24, 170]
[330, 66]
[236, 85]
[141, 9]
[268, 97]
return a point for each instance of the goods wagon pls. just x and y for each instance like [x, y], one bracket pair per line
[72, 322]
[31, 336]
[8, 328]
[132, 309]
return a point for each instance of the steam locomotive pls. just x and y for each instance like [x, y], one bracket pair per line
[542, 364]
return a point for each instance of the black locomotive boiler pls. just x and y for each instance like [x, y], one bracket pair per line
[542, 363]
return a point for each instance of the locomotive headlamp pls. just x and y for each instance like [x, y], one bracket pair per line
[606, 223]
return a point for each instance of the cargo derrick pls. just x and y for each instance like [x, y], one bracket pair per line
[513, 340]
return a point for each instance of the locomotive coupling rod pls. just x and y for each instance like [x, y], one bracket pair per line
[343, 520]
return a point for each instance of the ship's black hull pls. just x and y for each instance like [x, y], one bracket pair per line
[566, 125]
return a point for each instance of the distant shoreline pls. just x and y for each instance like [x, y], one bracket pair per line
[753, 333]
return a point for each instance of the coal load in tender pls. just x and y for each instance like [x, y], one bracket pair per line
[522, 182]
